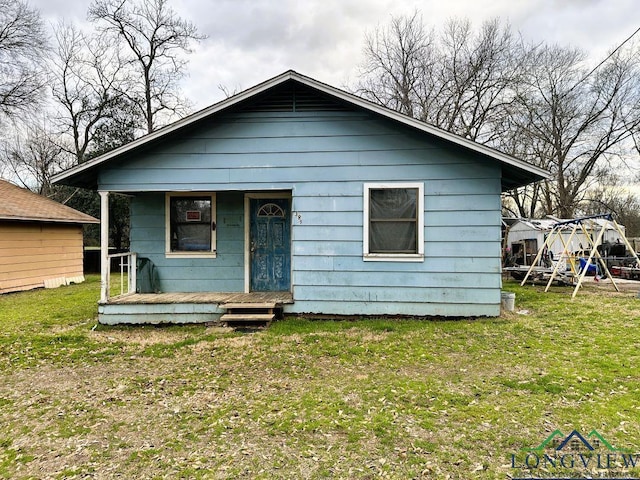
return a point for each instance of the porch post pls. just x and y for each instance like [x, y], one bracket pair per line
[104, 246]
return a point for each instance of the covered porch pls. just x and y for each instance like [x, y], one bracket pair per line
[203, 297]
[156, 284]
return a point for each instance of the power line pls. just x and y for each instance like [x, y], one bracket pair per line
[605, 59]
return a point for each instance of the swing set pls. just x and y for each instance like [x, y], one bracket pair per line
[569, 263]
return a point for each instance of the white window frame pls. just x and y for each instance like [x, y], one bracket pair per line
[393, 257]
[167, 210]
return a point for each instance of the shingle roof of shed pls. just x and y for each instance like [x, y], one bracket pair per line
[20, 204]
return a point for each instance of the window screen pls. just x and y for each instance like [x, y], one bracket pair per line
[393, 220]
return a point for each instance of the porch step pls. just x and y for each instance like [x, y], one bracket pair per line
[248, 317]
[249, 306]
[253, 314]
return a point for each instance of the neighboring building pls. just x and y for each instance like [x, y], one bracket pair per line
[298, 187]
[40, 241]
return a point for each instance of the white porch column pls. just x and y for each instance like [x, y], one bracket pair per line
[104, 246]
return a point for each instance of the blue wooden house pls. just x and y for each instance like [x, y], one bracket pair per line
[302, 196]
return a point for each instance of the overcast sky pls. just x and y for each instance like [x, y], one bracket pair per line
[252, 40]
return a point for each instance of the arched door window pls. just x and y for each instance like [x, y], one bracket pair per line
[271, 210]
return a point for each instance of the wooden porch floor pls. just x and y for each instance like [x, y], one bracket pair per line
[281, 298]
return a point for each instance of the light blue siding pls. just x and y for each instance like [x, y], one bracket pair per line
[419, 309]
[323, 159]
[225, 273]
[431, 265]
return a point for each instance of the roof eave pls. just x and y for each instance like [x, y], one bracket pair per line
[184, 122]
[536, 172]
[451, 137]
[48, 220]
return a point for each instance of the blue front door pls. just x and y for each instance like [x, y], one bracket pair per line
[270, 244]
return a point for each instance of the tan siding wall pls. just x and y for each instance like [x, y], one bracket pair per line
[32, 253]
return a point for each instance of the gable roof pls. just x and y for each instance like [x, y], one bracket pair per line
[21, 204]
[515, 173]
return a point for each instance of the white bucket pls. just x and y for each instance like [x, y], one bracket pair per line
[508, 301]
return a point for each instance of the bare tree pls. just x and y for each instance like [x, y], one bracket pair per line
[228, 92]
[459, 80]
[32, 157]
[396, 63]
[89, 79]
[155, 37]
[474, 80]
[576, 123]
[615, 197]
[527, 201]
[22, 43]
[539, 103]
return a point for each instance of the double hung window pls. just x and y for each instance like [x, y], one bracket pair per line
[394, 221]
[191, 227]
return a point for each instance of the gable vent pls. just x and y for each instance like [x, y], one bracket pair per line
[292, 97]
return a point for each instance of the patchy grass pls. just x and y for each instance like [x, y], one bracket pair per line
[311, 399]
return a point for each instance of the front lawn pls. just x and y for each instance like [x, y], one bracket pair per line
[363, 399]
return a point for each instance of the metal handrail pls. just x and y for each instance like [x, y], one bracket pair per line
[128, 266]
